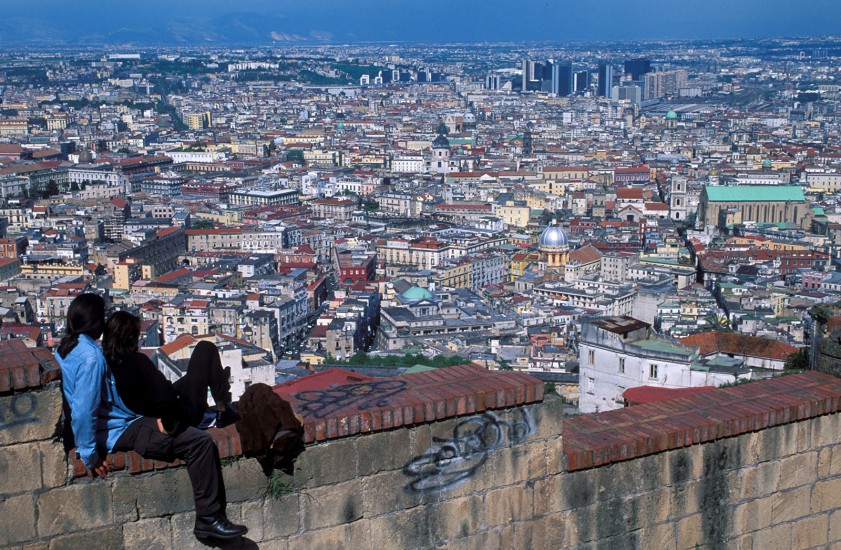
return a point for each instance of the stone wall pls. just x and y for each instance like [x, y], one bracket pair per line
[485, 479]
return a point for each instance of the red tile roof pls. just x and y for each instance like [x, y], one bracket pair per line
[739, 345]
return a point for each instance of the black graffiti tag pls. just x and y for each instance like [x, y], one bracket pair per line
[454, 460]
[21, 411]
[364, 395]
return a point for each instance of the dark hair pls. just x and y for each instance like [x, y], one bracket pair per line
[86, 315]
[122, 332]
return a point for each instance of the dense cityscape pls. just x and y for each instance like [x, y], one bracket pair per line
[383, 206]
[292, 273]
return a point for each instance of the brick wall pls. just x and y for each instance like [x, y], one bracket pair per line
[485, 478]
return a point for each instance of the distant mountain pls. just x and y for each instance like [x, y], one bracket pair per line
[231, 28]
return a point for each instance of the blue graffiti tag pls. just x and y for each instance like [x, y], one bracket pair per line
[454, 460]
[21, 411]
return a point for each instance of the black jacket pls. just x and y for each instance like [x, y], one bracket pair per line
[146, 391]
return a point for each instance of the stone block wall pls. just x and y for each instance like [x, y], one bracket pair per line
[518, 476]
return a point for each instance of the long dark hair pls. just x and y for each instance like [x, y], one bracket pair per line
[122, 332]
[86, 315]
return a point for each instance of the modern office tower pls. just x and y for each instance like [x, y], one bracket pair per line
[605, 80]
[493, 82]
[537, 75]
[637, 67]
[581, 81]
[561, 78]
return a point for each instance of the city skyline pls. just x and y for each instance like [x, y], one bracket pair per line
[329, 21]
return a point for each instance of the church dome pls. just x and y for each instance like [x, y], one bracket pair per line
[553, 237]
[671, 115]
[766, 164]
[441, 142]
[417, 293]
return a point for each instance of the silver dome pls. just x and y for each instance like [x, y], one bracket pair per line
[553, 237]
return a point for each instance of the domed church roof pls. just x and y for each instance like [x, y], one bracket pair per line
[671, 115]
[418, 293]
[553, 237]
[441, 142]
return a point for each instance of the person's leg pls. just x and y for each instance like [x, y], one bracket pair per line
[203, 371]
[196, 447]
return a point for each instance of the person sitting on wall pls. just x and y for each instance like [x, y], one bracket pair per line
[102, 422]
[170, 416]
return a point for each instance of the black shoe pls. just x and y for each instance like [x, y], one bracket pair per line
[227, 415]
[218, 527]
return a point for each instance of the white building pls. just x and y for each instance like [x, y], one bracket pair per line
[617, 353]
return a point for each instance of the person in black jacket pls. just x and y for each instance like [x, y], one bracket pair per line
[171, 413]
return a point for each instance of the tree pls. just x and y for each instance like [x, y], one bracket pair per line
[296, 156]
[52, 188]
[799, 360]
[442, 129]
[201, 224]
[74, 186]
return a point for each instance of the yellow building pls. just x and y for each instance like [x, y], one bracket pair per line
[456, 275]
[198, 121]
[126, 273]
[51, 271]
[520, 262]
[513, 215]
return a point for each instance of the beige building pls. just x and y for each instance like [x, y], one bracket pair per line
[333, 209]
[185, 317]
[514, 215]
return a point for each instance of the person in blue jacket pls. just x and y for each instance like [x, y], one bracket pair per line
[102, 423]
[98, 417]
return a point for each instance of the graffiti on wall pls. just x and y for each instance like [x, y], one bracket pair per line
[20, 409]
[449, 462]
[363, 396]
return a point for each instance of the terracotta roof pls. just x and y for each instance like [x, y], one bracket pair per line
[586, 254]
[183, 341]
[629, 193]
[739, 344]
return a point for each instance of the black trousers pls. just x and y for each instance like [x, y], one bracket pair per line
[203, 371]
[192, 445]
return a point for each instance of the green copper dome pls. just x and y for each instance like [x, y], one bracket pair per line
[418, 293]
[671, 115]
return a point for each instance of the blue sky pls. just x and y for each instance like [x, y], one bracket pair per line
[189, 21]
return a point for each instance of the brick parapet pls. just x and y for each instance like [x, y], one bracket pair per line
[374, 406]
[23, 368]
[624, 434]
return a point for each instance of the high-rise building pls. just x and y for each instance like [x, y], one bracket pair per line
[561, 78]
[664, 84]
[493, 82]
[581, 81]
[605, 80]
[637, 67]
[537, 75]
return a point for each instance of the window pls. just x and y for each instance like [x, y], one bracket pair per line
[622, 365]
[591, 356]
[591, 385]
[652, 370]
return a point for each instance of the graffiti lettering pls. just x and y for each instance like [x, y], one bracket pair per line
[21, 411]
[452, 461]
[364, 395]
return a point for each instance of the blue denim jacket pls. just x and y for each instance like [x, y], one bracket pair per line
[98, 415]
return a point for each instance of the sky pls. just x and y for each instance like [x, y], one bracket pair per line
[210, 22]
